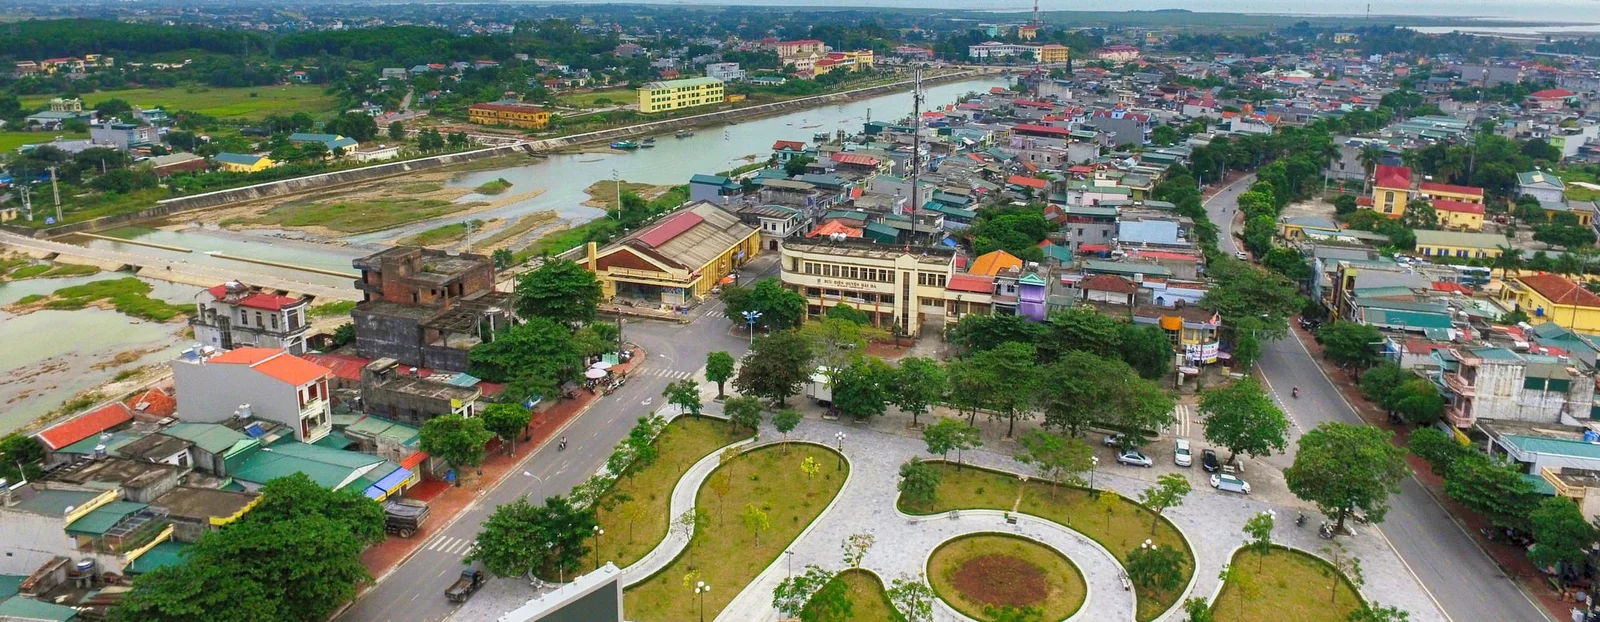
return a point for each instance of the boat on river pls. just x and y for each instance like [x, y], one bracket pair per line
[648, 143]
[684, 133]
[625, 145]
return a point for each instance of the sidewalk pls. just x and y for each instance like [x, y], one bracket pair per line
[446, 501]
[1511, 559]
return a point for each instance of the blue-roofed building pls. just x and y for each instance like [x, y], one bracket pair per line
[331, 141]
[712, 189]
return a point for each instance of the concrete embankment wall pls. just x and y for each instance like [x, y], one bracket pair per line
[178, 205]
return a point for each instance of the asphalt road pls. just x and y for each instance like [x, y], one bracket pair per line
[1458, 575]
[414, 592]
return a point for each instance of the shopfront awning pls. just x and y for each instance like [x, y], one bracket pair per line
[391, 484]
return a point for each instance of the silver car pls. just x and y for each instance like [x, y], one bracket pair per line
[1134, 458]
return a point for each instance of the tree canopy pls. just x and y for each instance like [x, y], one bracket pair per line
[1343, 467]
[560, 290]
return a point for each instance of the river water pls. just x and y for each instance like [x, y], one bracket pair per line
[49, 355]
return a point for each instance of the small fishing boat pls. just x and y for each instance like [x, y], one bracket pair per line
[648, 143]
[625, 145]
[821, 136]
[684, 133]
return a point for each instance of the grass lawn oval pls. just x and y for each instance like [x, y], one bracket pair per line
[726, 554]
[1284, 586]
[1121, 529]
[977, 572]
[869, 601]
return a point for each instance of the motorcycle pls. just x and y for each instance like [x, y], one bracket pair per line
[1295, 393]
[1325, 531]
[1300, 521]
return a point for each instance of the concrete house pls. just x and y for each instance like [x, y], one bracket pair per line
[1497, 383]
[427, 308]
[266, 383]
[233, 314]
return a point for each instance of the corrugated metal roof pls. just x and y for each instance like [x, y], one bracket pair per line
[100, 520]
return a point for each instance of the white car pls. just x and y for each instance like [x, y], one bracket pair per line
[1242, 256]
[1114, 440]
[1180, 453]
[1230, 483]
[1134, 458]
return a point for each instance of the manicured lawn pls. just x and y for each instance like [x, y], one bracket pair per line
[223, 103]
[10, 141]
[725, 553]
[684, 442]
[868, 600]
[982, 573]
[1120, 531]
[1287, 586]
[587, 100]
[355, 216]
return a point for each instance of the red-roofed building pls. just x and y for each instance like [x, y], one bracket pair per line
[265, 383]
[856, 162]
[83, 426]
[1029, 129]
[1391, 189]
[1108, 289]
[1028, 182]
[1459, 215]
[233, 315]
[834, 227]
[678, 259]
[784, 150]
[1550, 99]
[152, 405]
[1553, 298]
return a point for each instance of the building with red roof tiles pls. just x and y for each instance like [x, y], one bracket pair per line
[1028, 182]
[266, 383]
[102, 419]
[1391, 189]
[234, 314]
[677, 259]
[1554, 298]
[1108, 289]
[153, 404]
[783, 150]
[856, 162]
[1550, 99]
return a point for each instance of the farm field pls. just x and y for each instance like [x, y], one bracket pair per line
[10, 141]
[223, 103]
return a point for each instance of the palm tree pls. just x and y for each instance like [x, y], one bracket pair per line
[1370, 157]
[1509, 259]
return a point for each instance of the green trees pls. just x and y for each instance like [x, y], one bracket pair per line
[951, 435]
[1249, 298]
[1495, 490]
[507, 421]
[1259, 528]
[792, 594]
[521, 537]
[1561, 533]
[1350, 344]
[1241, 418]
[1146, 349]
[18, 449]
[785, 421]
[684, 394]
[1289, 263]
[912, 598]
[295, 557]
[916, 385]
[776, 368]
[861, 389]
[919, 482]
[756, 520]
[1342, 468]
[849, 314]
[1401, 392]
[719, 369]
[797, 165]
[1379, 614]
[559, 290]
[455, 439]
[743, 412]
[1169, 491]
[1439, 449]
[1158, 567]
[1011, 366]
[397, 131]
[1057, 459]
[779, 308]
[537, 348]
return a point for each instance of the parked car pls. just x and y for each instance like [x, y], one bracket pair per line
[1209, 462]
[1114, 440]
[1180, 453]
[1134, 458]
[1242, 256]
[1310, 324]
[1230, 483]
[465, 586]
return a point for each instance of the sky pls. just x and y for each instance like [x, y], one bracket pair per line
[1522, 10]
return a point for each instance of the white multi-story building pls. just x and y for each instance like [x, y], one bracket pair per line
[726, 72]
[233, 315]
[266, 383]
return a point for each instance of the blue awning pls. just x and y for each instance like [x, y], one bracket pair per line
[389, 484]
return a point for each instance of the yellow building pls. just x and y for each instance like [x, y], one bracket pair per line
[1459, 244]
[1053, 53]
[1028, 32]
[1582, 210]
[1458, 215]
[1391, 189]
[675, 94]
[679, 258]
[848, 61]
[515, 115]
[242, 162]
[1552, 298]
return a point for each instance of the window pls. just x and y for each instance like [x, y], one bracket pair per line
[244, 318]
[274, 321]
[258, 319]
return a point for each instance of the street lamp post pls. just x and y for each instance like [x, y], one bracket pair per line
[700, 590]
[597, 533]
[1094, 467]
[750, 318]
[789, 555]
[839, 436]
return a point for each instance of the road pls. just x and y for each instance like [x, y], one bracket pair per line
[1458, 575]
[413, 591]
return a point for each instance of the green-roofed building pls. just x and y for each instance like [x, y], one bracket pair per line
[10, 584]
[218, 449]
[29, 610]
[169, 553]
[1124, 268]
[98, 522]
[86, 446]
[330, 468]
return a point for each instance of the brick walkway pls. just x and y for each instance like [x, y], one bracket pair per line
[1511, 559]
[447, 501]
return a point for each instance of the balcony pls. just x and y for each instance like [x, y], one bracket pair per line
[1457, 416]
[1459, 386]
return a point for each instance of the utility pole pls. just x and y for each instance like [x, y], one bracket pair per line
[467, 248]
[56, 190]
[27, 200]
[916, 143]
[618, 183]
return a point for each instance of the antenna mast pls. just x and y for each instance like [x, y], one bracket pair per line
[916, 143]
[1036, 14]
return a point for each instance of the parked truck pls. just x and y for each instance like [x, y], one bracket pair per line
[470, 580]
[820, 388]
[403, 517]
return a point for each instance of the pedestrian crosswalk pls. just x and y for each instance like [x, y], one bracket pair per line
[451, 545]
[1182, 414]
[666, 373]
